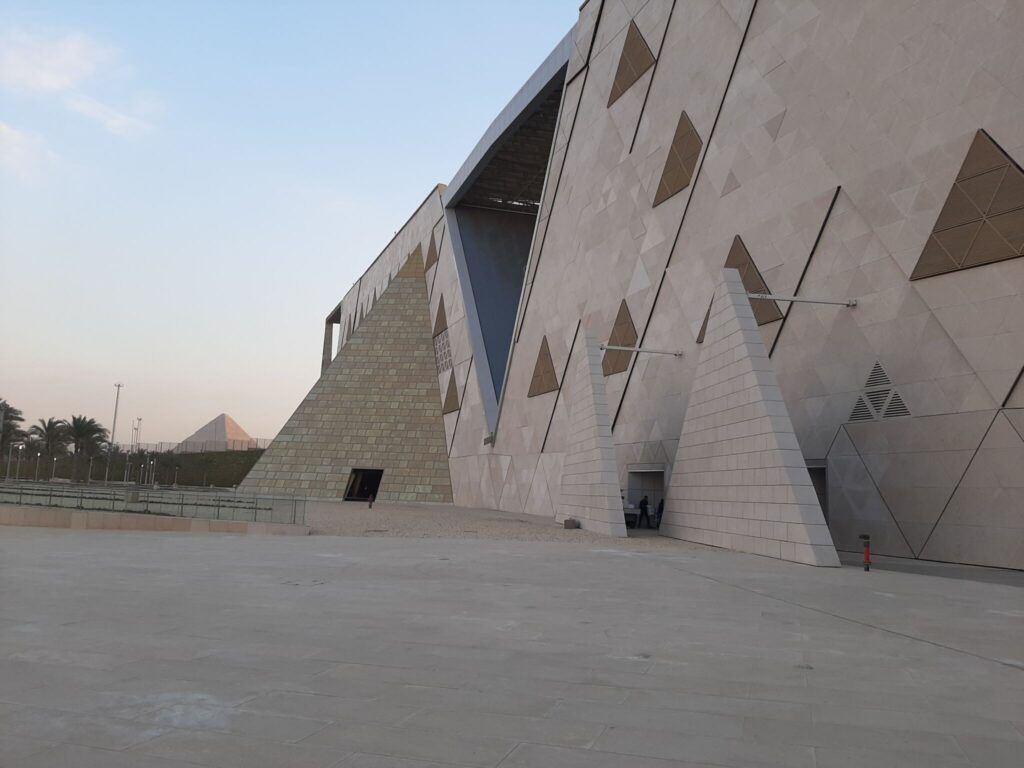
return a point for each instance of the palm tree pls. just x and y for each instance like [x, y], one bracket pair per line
[12, 432]
[86, 435]
[52, 434]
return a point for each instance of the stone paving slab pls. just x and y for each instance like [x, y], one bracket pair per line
[154, 651]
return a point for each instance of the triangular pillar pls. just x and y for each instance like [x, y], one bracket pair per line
[739, 480]
[590, 477]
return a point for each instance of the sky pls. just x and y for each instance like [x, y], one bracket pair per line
[188, 188]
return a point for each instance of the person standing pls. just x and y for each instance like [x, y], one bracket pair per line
[645, 513]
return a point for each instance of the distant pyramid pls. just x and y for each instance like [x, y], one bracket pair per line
[220, 434]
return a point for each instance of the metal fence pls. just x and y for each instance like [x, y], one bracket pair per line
[198, 446]
[207, 504]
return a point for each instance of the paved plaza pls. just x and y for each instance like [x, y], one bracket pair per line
[158, 650]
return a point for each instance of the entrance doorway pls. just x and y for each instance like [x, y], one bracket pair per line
[362, 484]
[644, 482]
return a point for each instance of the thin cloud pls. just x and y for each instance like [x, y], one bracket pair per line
[30, 62]
[23, 154]
[118, 123]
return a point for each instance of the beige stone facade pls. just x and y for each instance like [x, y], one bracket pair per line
[829, 149]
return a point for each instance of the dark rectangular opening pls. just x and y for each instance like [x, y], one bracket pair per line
[362, 484]
[819, 478]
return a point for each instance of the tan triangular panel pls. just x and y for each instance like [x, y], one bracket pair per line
[431, 253]
[417, 257]
[636, 59]
[413, 266]
[704, 325]
[451, 397]
[544, 379]
[982, 220]
[681, 161]
[327, 435]
[765, 310]
[714, 497]
[623, 335]
[441, 320]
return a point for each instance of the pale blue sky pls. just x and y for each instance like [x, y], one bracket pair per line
[187, 188]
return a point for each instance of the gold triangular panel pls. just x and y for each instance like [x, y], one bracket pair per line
[681, 162]
[451, 398]
[982, 220]
[623, 335]
[544, 379]
[441, 321]
[636, 59]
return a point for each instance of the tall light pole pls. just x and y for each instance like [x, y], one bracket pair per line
[21, 452]
[38, 456]
[113, 431]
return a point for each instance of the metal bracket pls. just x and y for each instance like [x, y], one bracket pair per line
[674, 353]
[803, 300]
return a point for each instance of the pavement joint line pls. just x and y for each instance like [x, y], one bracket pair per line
[1016, 666]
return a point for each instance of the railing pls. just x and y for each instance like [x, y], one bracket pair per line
[210, 504]
[199, 446]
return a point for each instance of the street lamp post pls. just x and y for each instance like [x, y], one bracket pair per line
[10, 455]
[39, 455]
[113, 432]
[53, 469]
[17, 471]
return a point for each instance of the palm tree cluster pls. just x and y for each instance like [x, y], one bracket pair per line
[82, 435]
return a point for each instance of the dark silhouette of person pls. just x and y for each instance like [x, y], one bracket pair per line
[645, 513]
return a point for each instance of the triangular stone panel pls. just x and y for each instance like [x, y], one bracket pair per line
[636, 59]
[590, 490]
[681, 162]
[441, 320]
[623, 335]
[544, 378]
[765, 310]
[431, 254]
[382, 383]
[982, 220]
[451, 397]
[856, 507]
[739, 479]
[984, 520]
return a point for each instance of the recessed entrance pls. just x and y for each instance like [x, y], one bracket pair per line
[362, 484]
[644, 482]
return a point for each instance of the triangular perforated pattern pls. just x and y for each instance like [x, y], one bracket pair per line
[878, 399]
[431, 254]
[623, 335]
[681, 161]
[451, 398]
[636, 59]
[982, 220]
[544, 379]
[860, 411]
[441, 321]
[896, 407]
[878, 377]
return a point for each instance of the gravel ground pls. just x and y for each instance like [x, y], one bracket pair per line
[450, 522]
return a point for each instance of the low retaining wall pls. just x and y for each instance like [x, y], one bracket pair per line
[50, 517]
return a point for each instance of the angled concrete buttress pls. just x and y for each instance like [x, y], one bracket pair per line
[590, 479]
[740, 481]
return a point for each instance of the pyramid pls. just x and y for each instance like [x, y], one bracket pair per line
[222, 433]
[590, 477]
[377, 406]
[739, 480]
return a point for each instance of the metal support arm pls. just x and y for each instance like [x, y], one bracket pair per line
[674, 353]
[803, 300]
